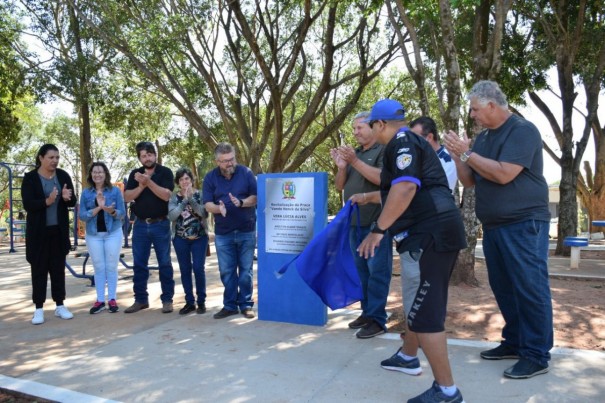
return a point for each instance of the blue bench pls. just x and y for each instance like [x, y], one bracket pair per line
[91, 277]
[575, 243]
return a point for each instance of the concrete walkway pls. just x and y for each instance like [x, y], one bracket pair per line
[155, 357]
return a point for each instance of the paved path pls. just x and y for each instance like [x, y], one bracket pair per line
[155, 357]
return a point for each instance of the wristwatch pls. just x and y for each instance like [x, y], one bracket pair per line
[241, 203]
[375, 229]
[465, 155]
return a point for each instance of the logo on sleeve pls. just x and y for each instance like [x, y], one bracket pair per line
[403, 161]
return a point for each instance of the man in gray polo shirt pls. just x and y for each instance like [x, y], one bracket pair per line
[359, 173]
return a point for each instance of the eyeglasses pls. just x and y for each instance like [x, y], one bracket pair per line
[229, 161]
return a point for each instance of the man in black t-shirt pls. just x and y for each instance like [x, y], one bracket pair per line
[418, 210]
[150, 186]
[505, 166]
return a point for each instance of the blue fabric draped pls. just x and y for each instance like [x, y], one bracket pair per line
[327, 264]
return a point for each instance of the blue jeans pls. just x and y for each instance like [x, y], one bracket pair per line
[375, 275]
[235, 252]
[144, 236]
[191, 254]
[517, 264]
[104, 250]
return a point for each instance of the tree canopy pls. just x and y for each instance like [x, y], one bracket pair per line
[14, 88]
[257, 75]
[281, 80]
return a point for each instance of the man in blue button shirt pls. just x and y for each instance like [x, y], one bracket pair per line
[427, 128]
[229, 192]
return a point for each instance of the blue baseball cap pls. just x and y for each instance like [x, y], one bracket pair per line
[386, 109]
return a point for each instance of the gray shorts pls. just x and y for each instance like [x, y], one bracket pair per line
[425, 276]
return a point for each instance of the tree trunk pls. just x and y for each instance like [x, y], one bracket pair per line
[81, 97]
[596, 211]
[464, 271]
[85, 154]
[568, 216]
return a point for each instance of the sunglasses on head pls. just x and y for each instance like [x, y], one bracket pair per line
[371, 123]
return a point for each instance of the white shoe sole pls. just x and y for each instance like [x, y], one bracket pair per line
[407, 371]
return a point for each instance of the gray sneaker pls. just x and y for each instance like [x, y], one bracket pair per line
[397, 363]
[136, 307]
[435, 395]
[167, 307]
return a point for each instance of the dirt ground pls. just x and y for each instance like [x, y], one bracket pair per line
[579, 314]
[578, 305]
[13, 397]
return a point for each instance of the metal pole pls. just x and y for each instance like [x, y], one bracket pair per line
[75, 210]
[10, 207]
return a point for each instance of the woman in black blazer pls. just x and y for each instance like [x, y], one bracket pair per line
[47, 192]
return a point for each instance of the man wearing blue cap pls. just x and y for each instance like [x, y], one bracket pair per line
[418, 210]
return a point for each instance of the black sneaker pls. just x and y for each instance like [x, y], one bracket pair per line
[248, 313]
[201, 308]
[223, 313]
[360, 322]
[502, 352]
[371, 330]
[524, 369]
[97, 307]
[187, 309]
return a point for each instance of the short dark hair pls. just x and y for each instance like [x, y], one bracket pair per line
[145, 146]
[106, 182]
[428, 126]
[223, 148]
[182, 172]
[42, 152]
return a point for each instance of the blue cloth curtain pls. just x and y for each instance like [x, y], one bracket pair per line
[327, 265]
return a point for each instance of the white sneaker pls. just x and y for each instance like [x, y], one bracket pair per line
[63, 312]
[38, 317]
